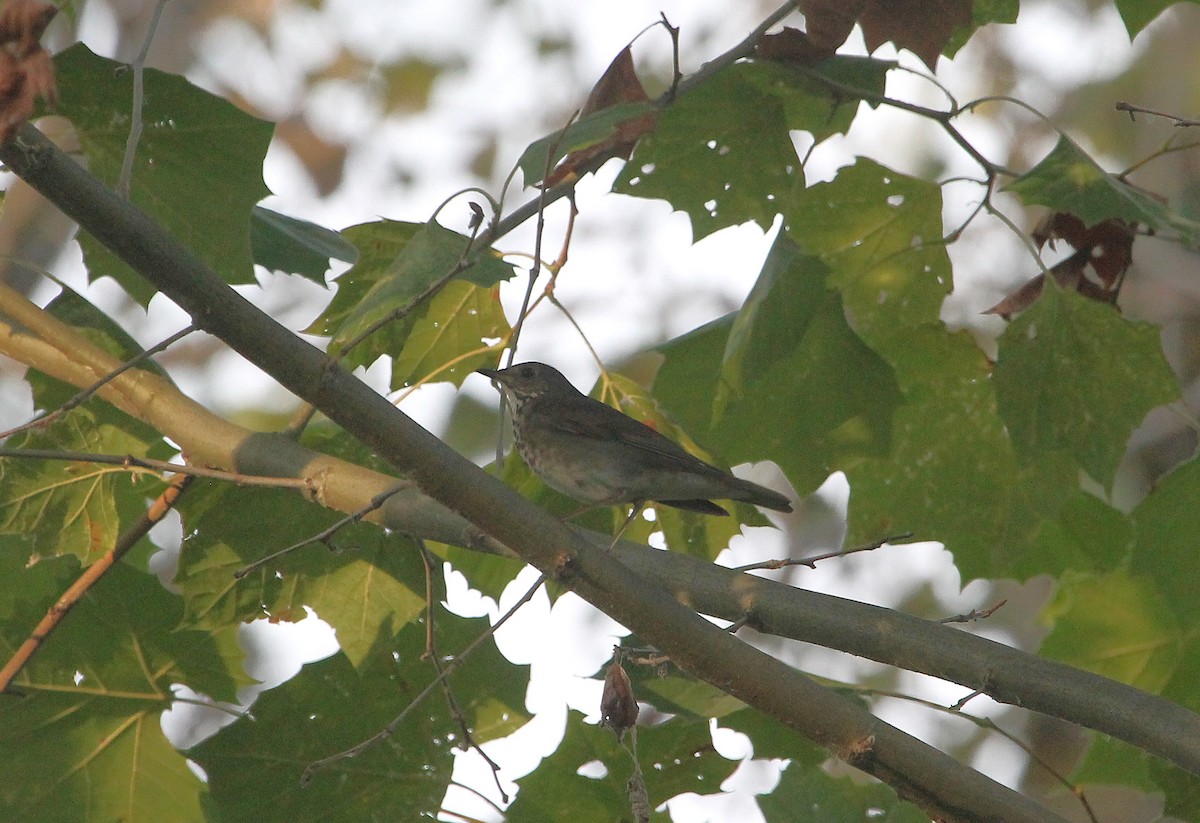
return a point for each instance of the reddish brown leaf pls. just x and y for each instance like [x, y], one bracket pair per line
[1108, 244]
[618, 708]
[23, 22]
[619, 84]
[921, 26]
[26, 72]
[829, 22]
[793, 46]
[1102, 254]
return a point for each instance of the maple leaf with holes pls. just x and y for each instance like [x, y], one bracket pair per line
[1103, 253]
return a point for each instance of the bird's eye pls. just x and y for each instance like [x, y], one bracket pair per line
[527, 371]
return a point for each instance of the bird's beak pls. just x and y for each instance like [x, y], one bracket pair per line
[494, 374]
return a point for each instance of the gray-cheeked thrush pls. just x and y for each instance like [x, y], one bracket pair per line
[595, 454]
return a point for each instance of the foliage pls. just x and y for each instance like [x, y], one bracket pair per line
[836, 361]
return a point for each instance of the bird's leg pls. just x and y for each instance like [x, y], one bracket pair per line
[638, 507]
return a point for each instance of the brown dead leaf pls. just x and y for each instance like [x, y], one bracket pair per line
[26, 71]
[829, 22]
[921, 26]
[1109, 244]
[618, 708]
[1102, 254]
[792, 46]
[619, 84]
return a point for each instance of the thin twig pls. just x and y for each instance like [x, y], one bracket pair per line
[539, 234]
[376, 502]
[502, 226]
[128, 461]
[676, 74]
[1167, 148]
[986, 724]
[135, 121]
[1132, 109]
[431, 652]
[390, 729]
[46, 419]
[812, 560]
[635, 789]
[974, 614]
[478, 794]
[126, 541]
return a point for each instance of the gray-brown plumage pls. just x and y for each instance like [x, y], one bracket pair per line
[595, 454]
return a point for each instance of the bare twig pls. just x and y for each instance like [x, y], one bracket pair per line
[126, 541]
[1169, 147]
[812, 560]
[135, 121]
[987, 724]
[635, 789]
[376, 502]
[390, 729]
[676, 74]
[471, 789]
[130, 462]
[958, 706]
[1182, 122]
[974, 614]
[431, 652]
[539, 233]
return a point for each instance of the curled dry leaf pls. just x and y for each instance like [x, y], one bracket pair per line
[619, 84]
[26, 71]
[618, 708]
[794, 46]
[1103, 253]
[1108, 244]
[829, 22]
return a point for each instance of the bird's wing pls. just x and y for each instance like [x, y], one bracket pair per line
[602, 422]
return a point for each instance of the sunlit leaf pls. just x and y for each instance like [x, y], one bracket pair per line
[81, 737]
[1116, 625]
[399, 263]
[74, 507]
[359, 580]
[455, 336]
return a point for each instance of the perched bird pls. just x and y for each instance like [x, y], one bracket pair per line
[597, 455]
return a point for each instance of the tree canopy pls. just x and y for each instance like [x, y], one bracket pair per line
[1031, 451]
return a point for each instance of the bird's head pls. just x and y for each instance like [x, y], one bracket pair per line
[525, 381]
